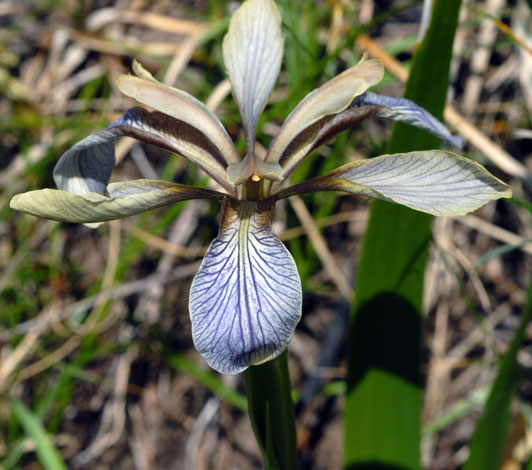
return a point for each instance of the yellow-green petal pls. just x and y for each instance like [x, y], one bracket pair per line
[125, 199]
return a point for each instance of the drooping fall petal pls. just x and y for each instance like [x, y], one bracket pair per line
[253, 51]
[179, 105]
[125, 199]
[331, 98]
[87, 166]
[437, 182]
[245, 300]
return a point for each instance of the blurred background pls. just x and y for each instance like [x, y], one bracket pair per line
[96, 352]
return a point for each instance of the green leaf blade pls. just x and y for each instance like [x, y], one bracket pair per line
[46, 451]
[487, 443]
[383, 403]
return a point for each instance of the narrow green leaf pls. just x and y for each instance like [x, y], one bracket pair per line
[271, 412]
[210, 381]
[499, 251]
[383, 403]
[46, 451]
[475, 400]
[487, 443]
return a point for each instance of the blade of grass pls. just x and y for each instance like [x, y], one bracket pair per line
[271, 412]
[46, 451]
[209, 380]
[383, 403]
[499, 251]
[458, 410]
[487, 443]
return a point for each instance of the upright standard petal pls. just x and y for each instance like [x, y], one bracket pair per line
[405, 110]
[125, 199]
[253, 51]
[87, 166]
[179, 105]
[245, 300]
[437, 182]
[331, 98]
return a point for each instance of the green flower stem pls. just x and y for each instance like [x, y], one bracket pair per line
[272, 412]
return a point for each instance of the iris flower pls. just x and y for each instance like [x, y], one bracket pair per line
[245, 300]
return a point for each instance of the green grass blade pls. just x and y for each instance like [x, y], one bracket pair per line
[46, 451]
[383, 403]
[209, 380]
[271, 412]
[488, 439]
[474, 401]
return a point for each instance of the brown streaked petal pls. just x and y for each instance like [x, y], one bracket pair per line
[87, 166]
[125, 199]
[436, 182]
[316, 135]
[331, 98]
[180, 105]
[177, 136]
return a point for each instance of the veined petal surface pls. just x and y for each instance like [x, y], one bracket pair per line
[436, 182]
[245, 300]
[125, 199]
[87, 166]
[179, 105]
[331, 98]
[253, 51]
[405, 110]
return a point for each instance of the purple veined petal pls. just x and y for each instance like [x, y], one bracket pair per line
[125, 199]
[405, 110]
[245, 300]
[88, 165]
[436, 182]
[253, 51]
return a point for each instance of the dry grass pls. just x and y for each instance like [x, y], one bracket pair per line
[91, 319]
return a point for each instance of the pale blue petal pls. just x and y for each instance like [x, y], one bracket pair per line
[88, 165]
[405, 110]
[245, 300]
